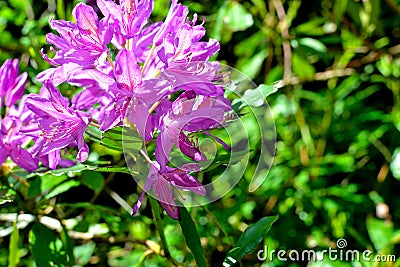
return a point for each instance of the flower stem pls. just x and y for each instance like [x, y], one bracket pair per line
[155, 208]
[146, 63]
[110, 61]
[128, 44]
[155, 105]
[146, 157]
[159, 225]
[94, 124]
[6, 112]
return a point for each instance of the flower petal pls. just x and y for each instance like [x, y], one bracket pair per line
[189, 149]
[184, 181]
[15, 93]
[163, 149]
[3, 153]
[138, 114]
[24, 159]
[86, 18]
[127, 71]
[137, 205]
[165, 196]
[176, 17]
[83, 152]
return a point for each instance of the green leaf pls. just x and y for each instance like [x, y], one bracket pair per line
[60, 9]
[81, 167]
[313, 44]
[132, 142]
[115, 138]
[237, 18]
[46, 248]
[191, 236]
[380, 232]
[68, 245]
[347, 86]
[84, 252]
[6, 194]
[339, 9]
[109, 169]
[251, 237]
[218, 25]
[248, 46]
[93, 180]
[302, 67]
[395, 164]
[34, 188]
[94, 133]
[88, 206]
[49, 182]
[261, 7]
[14, 256]
[252, 66]
[78, 168]
[254, 97]
[265, 90]
[64, 187]
[385, 65]
[313, 27]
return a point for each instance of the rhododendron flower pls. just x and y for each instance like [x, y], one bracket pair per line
[58, 125]
[161, 183]
[130, 16]
[54, 159]
[159, 82]
[83, 43]
[11, 85]
[11, 144]
[188, 113]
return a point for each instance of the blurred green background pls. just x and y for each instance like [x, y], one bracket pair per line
[336, 171]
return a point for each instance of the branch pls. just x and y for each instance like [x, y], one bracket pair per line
[393, 5]
[287, 53]
[350, 70]
[319, 76]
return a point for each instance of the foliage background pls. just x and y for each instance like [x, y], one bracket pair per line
[337, 166]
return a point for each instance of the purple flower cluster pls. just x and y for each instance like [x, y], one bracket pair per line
[12, 142]
[156, 76]
[19, 121]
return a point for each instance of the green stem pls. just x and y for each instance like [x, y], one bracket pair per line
[155, 208]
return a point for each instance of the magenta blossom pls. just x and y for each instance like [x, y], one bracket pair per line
[83, 43]
[154, 77]
[188, 113]
[11, 85]
[132, 97]
[130, 15]
[58, 125]
[128, 79]
[176, 17]
[54, 159]
[162, 182]
[12, 144]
